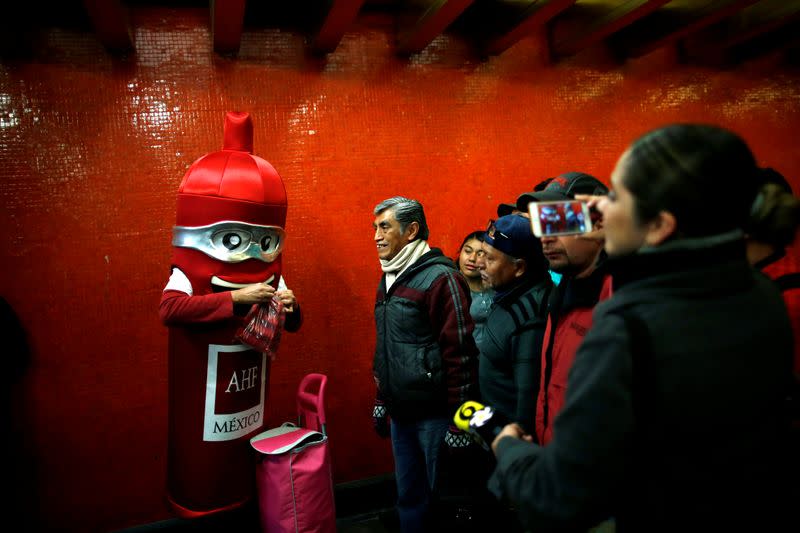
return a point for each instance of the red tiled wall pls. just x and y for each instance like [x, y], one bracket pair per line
[92, 150]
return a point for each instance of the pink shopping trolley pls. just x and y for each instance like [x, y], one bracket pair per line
[293, 474]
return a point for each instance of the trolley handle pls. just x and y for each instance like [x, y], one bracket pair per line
[311, 402]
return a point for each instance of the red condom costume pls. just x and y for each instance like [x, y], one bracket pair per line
[231, 211]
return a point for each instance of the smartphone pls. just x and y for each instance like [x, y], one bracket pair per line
[569, 217]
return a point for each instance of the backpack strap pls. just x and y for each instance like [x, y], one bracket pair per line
[788, 281]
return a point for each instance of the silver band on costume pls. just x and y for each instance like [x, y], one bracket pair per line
[231, 241]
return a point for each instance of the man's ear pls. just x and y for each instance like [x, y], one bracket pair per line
[520, 267]
[660, 228]
[412, 230]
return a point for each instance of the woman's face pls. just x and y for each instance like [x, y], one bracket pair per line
[470, 259]
[623, 233]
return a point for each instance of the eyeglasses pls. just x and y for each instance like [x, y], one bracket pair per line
[493, 232]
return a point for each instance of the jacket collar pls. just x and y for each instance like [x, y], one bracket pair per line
[510, 294]
[582, 292]
[434, 256]
[679, 257]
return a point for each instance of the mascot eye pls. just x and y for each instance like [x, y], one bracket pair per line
[231, 241]
[270, 243]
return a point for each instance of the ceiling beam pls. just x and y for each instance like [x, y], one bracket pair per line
[758, 19]
[670, 23]
[792, 55]
[781, 40]
[110, 21]
[531, 18]
[588, 23]
[227, 19]
[339, 18]
[437, 16]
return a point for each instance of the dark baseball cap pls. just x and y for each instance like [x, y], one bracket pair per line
[505, 209]
[563, 187]
[512, 235]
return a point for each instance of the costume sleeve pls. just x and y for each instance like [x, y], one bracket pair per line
[526, 359]
[178, 308]
[569, 482]
[293, 320]
[448, 308]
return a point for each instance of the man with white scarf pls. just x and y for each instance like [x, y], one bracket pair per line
[425, 363]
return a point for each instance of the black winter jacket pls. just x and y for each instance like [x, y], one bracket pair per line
[425, 360]
[674, 413]
[510, 351]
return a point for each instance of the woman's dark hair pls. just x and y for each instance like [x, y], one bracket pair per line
[775, 214]
[704, 175]
[474, 235]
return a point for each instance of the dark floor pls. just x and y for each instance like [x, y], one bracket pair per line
[449, 519]
[246, 521]
[367, 506]
[379, 522]
[362, 506]
[371, 520]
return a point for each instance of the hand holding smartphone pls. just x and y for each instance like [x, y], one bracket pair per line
[569, 217]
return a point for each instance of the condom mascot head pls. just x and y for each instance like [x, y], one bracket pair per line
[230, 215]
[229, 233]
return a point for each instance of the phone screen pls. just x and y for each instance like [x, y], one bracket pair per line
[559, 218]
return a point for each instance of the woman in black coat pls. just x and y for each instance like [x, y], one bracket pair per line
[674, 418]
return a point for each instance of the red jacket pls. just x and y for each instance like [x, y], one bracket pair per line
[571, 310]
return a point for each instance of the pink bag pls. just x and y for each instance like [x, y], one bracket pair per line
[293, 474]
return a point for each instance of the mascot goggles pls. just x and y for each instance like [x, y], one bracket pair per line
[232, 242]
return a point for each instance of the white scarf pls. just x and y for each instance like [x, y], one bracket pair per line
[404, 259]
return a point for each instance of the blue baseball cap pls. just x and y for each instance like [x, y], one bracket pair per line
[512, 235]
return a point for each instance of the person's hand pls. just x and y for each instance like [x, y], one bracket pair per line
[511, 430]
[592, 201]
[380, 420]
[257, 293]
[287, 298]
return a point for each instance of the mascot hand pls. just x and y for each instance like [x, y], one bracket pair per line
[257, 293]
[287, 299]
